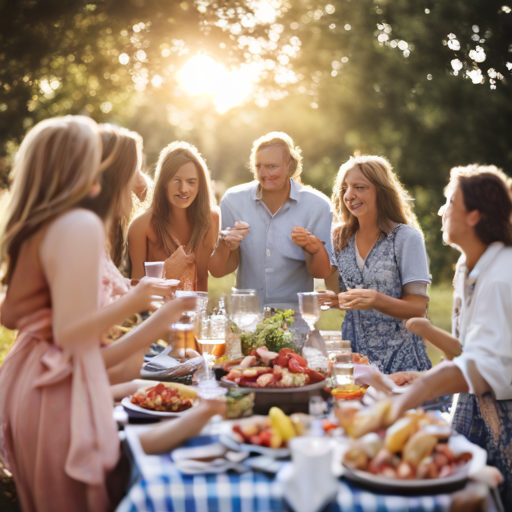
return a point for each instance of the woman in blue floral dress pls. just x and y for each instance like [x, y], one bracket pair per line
[382, 265]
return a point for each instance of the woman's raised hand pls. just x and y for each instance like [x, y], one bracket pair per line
[358, 298]
[303, 238]
[233, 237]
[144, 293]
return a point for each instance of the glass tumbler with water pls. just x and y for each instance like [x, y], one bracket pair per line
[342, 372]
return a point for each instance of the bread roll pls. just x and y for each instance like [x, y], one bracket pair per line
[399, 433]
[419, 446]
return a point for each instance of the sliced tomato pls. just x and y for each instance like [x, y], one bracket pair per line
[295, 367]
[281, 360]
[299, 359]
[284, 351]
[313, 376]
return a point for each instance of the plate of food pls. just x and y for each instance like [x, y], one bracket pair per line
[418, 451]
[165, 400]
[264, 370]
[266, 435]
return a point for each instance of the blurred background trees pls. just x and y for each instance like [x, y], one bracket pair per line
[426, 83]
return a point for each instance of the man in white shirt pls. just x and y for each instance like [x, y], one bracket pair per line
[287, 242]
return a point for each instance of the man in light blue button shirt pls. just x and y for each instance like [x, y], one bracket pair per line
[289, 226]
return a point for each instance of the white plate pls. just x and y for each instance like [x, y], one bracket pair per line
[136, 411]
[457, 443]
[295, 389]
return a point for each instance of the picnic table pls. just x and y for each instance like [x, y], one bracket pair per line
[159, 486]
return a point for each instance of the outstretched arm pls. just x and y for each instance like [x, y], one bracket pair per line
[169, 435]
[444, 379]
[407, 307]
[441, 339]
[151, 330]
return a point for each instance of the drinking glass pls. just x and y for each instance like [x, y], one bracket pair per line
[201, 303]
[333, 343]
[205, 340]
[309, 308]
[244, 310]
[342, 372]
[154, 269]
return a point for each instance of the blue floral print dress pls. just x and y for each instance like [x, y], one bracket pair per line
[383, 338]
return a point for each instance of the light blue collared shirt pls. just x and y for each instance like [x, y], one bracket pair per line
[270, 262]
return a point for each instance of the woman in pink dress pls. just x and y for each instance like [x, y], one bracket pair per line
[57, 434]
[182, 224]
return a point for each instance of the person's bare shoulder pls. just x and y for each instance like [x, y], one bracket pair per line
[77, 229]
[141, 225]
[74, 223]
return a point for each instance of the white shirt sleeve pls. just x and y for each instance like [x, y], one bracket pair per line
[486, 361]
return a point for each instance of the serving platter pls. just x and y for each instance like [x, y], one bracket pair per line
[136, 411]
[309, 387]
[457, 444]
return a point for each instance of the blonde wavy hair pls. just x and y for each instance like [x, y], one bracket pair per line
[56, 166]
[279, 139]
[199, 213]
[393, 201]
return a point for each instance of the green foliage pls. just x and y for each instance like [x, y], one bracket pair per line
[368, 76]
[273, 332]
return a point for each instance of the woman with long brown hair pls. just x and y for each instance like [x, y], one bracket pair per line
[182, 223]
[382, 264]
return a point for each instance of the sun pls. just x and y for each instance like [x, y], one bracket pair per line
[203, 75]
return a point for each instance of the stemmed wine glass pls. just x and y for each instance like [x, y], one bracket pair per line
[309, 308]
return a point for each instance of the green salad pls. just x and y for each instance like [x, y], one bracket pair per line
[272, 332]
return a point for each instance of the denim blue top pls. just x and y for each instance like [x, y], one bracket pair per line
[269, 261]
[396, 259]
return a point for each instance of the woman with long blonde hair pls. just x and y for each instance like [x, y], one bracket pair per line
[382, 264]
[182, 223]
[57, 435]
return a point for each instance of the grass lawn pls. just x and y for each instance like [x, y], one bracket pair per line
[439, 313]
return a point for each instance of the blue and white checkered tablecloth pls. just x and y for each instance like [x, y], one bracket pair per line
[160, 487]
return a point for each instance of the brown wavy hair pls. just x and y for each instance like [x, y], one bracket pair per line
[487, 189]
[393, 200]
[121, 159]
[56, 166]
[171, 158]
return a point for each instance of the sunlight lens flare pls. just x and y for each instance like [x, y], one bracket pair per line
[203, 75]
